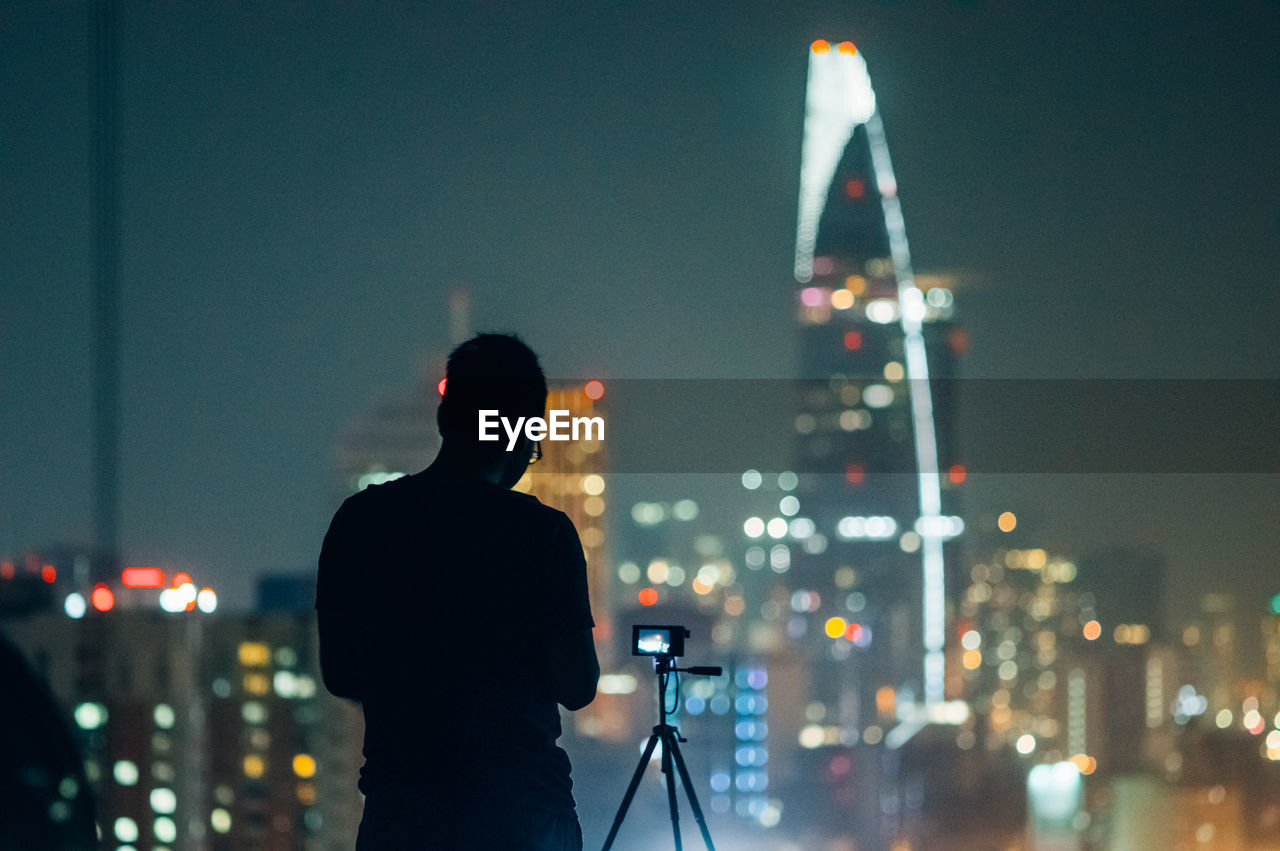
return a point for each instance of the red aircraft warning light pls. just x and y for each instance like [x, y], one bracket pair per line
[594, 390]
[102, 598]
[142, 577]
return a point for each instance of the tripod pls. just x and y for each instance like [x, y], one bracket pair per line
[670, 738]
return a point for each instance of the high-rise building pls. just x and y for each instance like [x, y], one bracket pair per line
[200, 730]
[874, 413]
[571, 476]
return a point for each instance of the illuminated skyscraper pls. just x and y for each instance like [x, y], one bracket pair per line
[570, 476]
[200, 731]
[877, 348]
[396, 436]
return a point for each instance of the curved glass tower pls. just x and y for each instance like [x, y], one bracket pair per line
[877, 346]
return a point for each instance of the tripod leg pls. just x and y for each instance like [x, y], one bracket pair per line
[669, 746]
[693, 799]
[631, 789]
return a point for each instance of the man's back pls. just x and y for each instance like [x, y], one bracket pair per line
[443, 595]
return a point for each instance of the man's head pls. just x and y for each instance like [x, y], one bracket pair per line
[491, 372]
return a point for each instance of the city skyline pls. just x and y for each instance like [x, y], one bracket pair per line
[1102, 645]
[266, 303]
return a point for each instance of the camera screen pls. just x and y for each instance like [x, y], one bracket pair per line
[653, 641]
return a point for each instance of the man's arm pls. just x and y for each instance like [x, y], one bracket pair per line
[339, 633]
[575, 670]
[339, 664]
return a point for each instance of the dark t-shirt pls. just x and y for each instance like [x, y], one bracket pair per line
[454, 587]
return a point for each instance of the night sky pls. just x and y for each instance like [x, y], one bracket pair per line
[303, 182]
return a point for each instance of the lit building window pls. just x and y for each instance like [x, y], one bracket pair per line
[685, 509]
[165, 829]
[126, 829]
[125, 772]
[254, 654]
[304, 765]
[164, 716]
[285, 684]
[220, 820]
[164, 801]
[90, 716]
[256, 684]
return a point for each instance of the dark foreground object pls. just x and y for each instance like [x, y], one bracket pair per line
[399, 818]
[45, 799]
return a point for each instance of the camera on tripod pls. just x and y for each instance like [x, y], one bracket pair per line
[663, 643]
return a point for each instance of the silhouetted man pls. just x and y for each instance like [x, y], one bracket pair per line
[455, 610]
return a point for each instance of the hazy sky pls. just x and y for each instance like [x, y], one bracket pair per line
[302, 183]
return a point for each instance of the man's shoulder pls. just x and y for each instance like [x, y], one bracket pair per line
[379, 498]
[374, 495]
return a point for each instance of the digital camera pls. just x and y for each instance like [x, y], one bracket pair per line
[650, 640]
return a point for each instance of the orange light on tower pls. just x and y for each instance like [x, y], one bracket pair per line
[102, 598]
[821, 47]
[142, 577]
[847, 48]
[647, 596]
[594, 390]
[1092, 630]
[1007, 521]
[48, 573]
[957, 474]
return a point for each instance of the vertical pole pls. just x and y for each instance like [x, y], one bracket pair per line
[106, 273]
